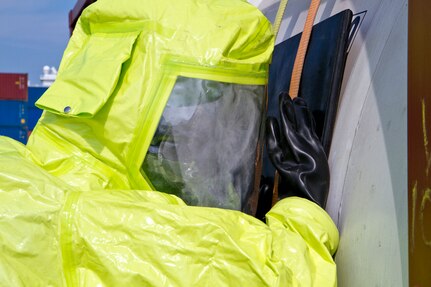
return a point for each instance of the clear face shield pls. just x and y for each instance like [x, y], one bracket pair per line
[205, 147]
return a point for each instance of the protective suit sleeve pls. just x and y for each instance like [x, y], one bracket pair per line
[143, 238]
[30, 204]
[317, 230]
[53, 235]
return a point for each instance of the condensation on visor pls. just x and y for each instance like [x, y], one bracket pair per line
[204, 148]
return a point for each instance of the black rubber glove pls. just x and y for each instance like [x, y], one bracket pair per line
[296, 152]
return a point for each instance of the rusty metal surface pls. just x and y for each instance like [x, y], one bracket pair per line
[419, 151]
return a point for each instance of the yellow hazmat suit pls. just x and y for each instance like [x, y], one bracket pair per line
[76, 208]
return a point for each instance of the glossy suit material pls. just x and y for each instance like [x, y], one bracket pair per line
[296, 152]
[75, 208]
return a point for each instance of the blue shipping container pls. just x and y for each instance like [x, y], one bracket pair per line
[17, 133]
[34, 93]
[13, 113]
[33, 115]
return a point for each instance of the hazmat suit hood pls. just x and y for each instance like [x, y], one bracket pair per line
[119, 68]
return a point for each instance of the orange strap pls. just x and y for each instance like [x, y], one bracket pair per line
[302, 49]
[275, 188]
[297, 70]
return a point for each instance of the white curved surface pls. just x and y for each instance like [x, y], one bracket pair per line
[368, 158]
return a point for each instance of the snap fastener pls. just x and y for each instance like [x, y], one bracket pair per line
[67, 109]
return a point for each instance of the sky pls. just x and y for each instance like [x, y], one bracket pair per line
[33, 33]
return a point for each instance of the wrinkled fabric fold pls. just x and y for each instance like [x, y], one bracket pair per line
[64, 237]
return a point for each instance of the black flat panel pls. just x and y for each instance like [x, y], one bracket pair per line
[321, 78]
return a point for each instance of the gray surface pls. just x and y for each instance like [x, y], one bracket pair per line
[368, 158]
[373, 211]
